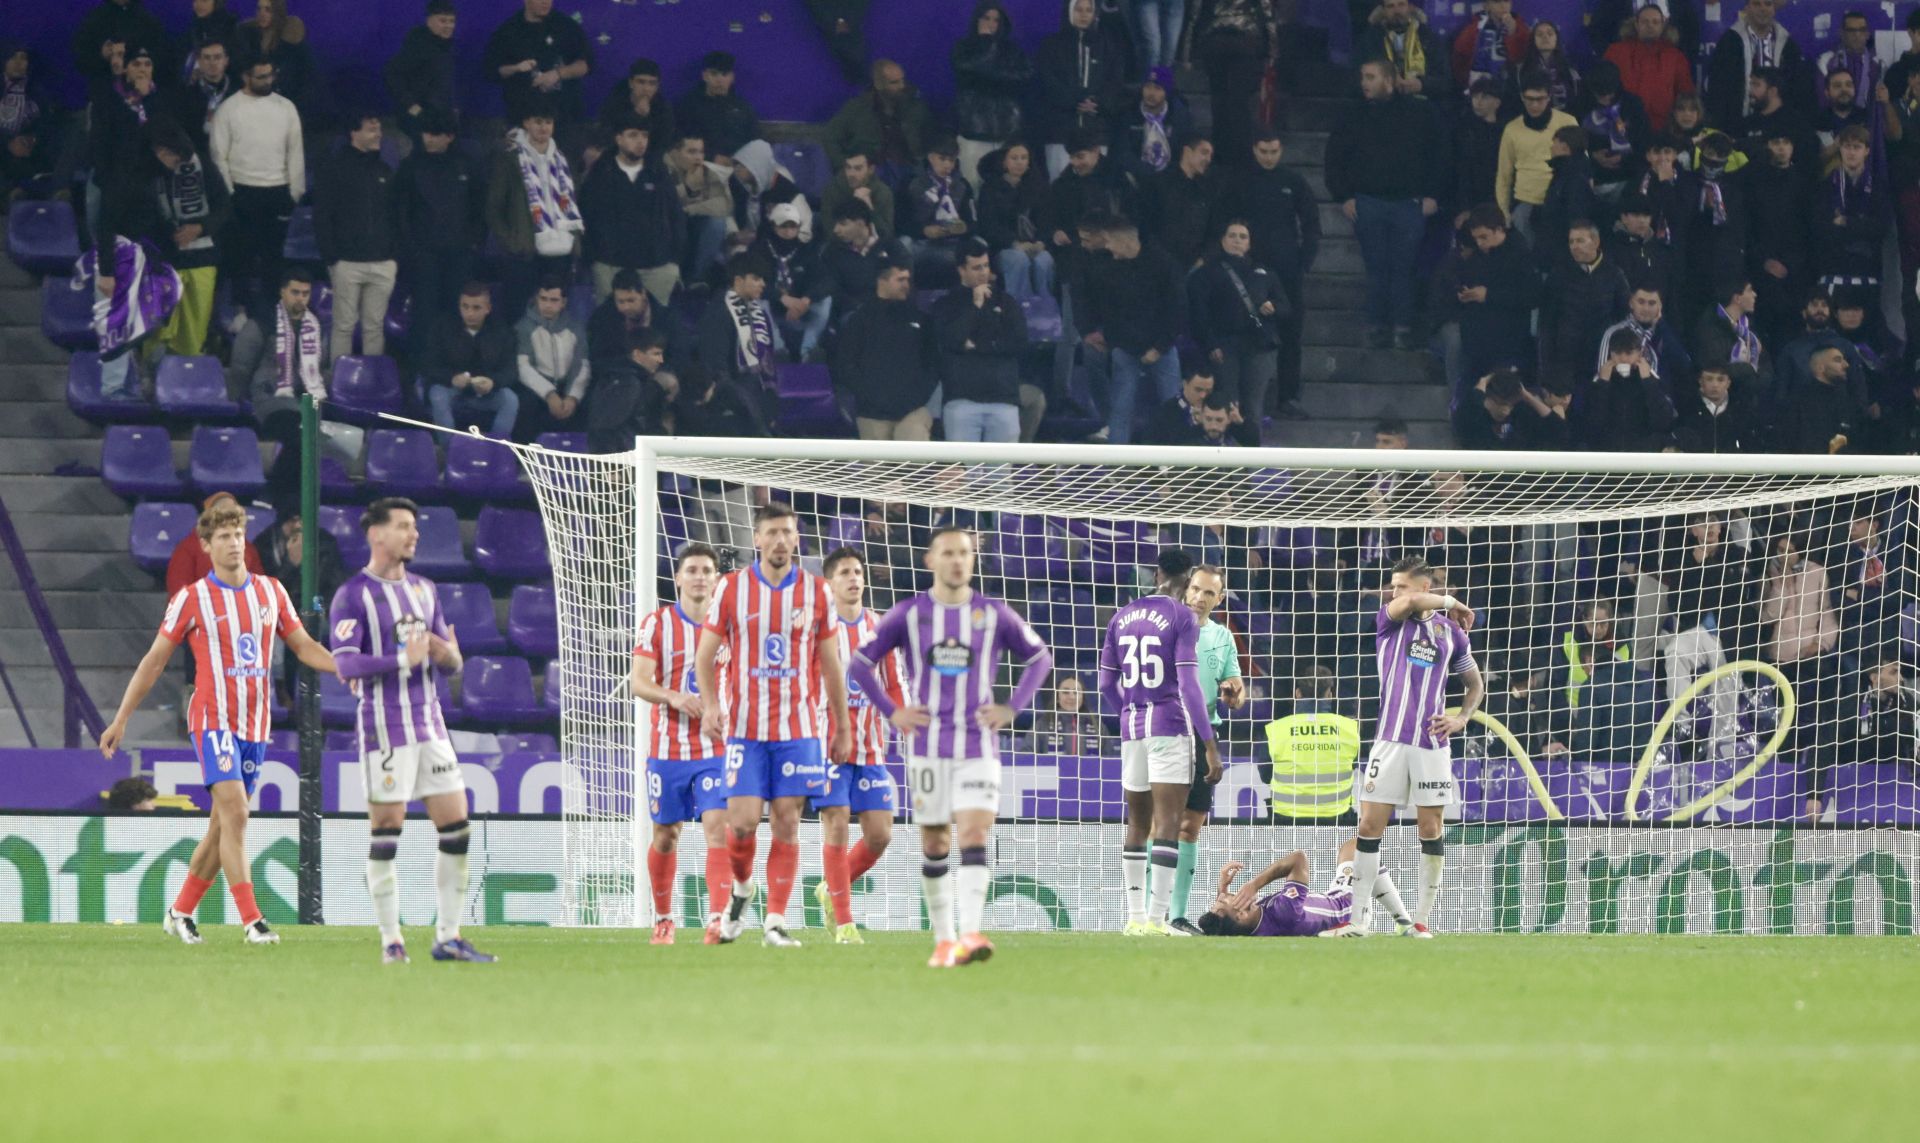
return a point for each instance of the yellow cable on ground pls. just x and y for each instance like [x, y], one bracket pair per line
[1519, 755]
[1662, 728]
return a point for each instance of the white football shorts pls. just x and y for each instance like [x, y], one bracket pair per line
[411, 773]
[1397, 774]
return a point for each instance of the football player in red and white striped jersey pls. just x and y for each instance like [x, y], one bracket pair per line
[776, 625]
[686, 778]
[232, 618]
[863, 786]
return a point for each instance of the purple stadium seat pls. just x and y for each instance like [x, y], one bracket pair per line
[402, 462]
[156, 530]
[137, 460]
[337, 703]
[1043, 318]
[550, 690]
[365, 387]
[480, 468]
[83, 394]
[226, 458]
[806, 161]
[510, 543]
[527, 743]
[301, 244]
[343, 524]
[924, 299]
[66, 313]
[282, 740]
[803, 381]
[336, 483]
[532, 623]
[497, 690]
[441, 554]
[258, 521]
[42, 237]
[399, 317]
[563, 442]
[193, 387]
[342, 741]
[468, 609]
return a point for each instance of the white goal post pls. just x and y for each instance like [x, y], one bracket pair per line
[1700, 669]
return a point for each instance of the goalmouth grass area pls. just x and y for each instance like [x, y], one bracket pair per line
[116, 1032]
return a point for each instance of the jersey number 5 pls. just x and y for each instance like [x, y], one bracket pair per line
[1141, 664]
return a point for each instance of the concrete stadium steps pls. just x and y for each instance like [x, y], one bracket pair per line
[1352, 432]
[23, 345]
[79, 495]
[19, 306]
[46, 382]
[1374, 366]
[77, 612]
[1337, 399]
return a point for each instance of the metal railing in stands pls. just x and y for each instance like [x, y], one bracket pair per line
[77, 709]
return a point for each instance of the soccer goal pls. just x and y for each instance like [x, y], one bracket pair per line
[1699, 670]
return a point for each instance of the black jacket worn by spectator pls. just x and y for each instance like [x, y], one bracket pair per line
[1282, 215]
[726, 123]
[921, 203]
[1476, 159]
[847, 275]
[1779, 211]
[1008, 212]
[795, 266]
[452, 349]
[1498, 331]
[1815, 415]
[1172, 422]
[421, 74]
[1388, 149]
[193, 194]
[887, 360]
[1474, 427]
[1076, 65]
[608, 335]
[1540, 432]
[1136, 304]
[1183, 212]
[1107, 189]
[1569, 198]
[1728, 68]
[1736, 426]
[1715, 339]
[1645, 262]
[117, 138]
[1220, 318]
[718, 410]
[1130, 135]
[990, 77]
[980, 346]
[438, 203]
[130, 24]
[663, 131]
[191, 104]
[633, 217]
[1752, 133]
[1612, 414]
[1436, 78]
[353, 209]
[552, 43]
[1580, 303]
[628, 402]
[1849, 251]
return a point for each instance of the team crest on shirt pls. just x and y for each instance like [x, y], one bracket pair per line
[265, 614]
[798, 619]
[1290, 891]
[225, 762]
[979, 618]
[387, 782]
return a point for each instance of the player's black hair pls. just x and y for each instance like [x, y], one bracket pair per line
[695, 551]
[130, 792]
[950, 530]
[773, 510]
[1175, 561]
[382, 510]
[1413, 565]
[1220, 925]
[841, 555]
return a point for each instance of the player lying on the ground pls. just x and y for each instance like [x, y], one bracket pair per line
[1296, 910]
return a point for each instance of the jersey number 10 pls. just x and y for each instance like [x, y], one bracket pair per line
[1141, 664]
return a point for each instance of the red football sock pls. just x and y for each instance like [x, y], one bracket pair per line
[719, 878]
[834, 859]
[740, 856]
[783, 861]
[243, 897]
[191, 890]
[859, 860]
[660, 867]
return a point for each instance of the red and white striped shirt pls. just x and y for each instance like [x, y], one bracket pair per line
[772, 633]
[870, 728]
[670, 638]
[232, 629]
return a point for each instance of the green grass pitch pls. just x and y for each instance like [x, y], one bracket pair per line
[118, 1033]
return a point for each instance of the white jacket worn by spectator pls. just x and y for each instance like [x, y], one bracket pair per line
[256, 142]
[552, 356]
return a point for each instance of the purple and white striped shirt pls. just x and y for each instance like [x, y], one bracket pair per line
[1412, 687]
[950, 654]
[1150, 670]
[370, 621]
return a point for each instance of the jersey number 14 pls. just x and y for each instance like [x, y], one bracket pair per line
[1141, 664]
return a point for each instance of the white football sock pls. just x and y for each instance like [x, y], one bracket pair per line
[937, 887]
[1432, 861]
[383, 885]
[973, 880]
[1388, 894]
[1133, 872]
[1366, 869]
[450, 881]
[1165, 862]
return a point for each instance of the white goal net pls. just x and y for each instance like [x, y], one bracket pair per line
[1700, 671]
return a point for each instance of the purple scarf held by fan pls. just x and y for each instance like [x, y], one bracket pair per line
[753, 335]
[145, 291]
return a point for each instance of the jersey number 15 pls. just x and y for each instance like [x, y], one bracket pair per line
[1141, 664]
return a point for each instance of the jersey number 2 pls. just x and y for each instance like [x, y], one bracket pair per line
[1141, 664]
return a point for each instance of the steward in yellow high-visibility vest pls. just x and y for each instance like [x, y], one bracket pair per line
[1313, 751]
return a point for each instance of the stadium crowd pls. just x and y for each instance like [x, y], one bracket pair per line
[1620, 252]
